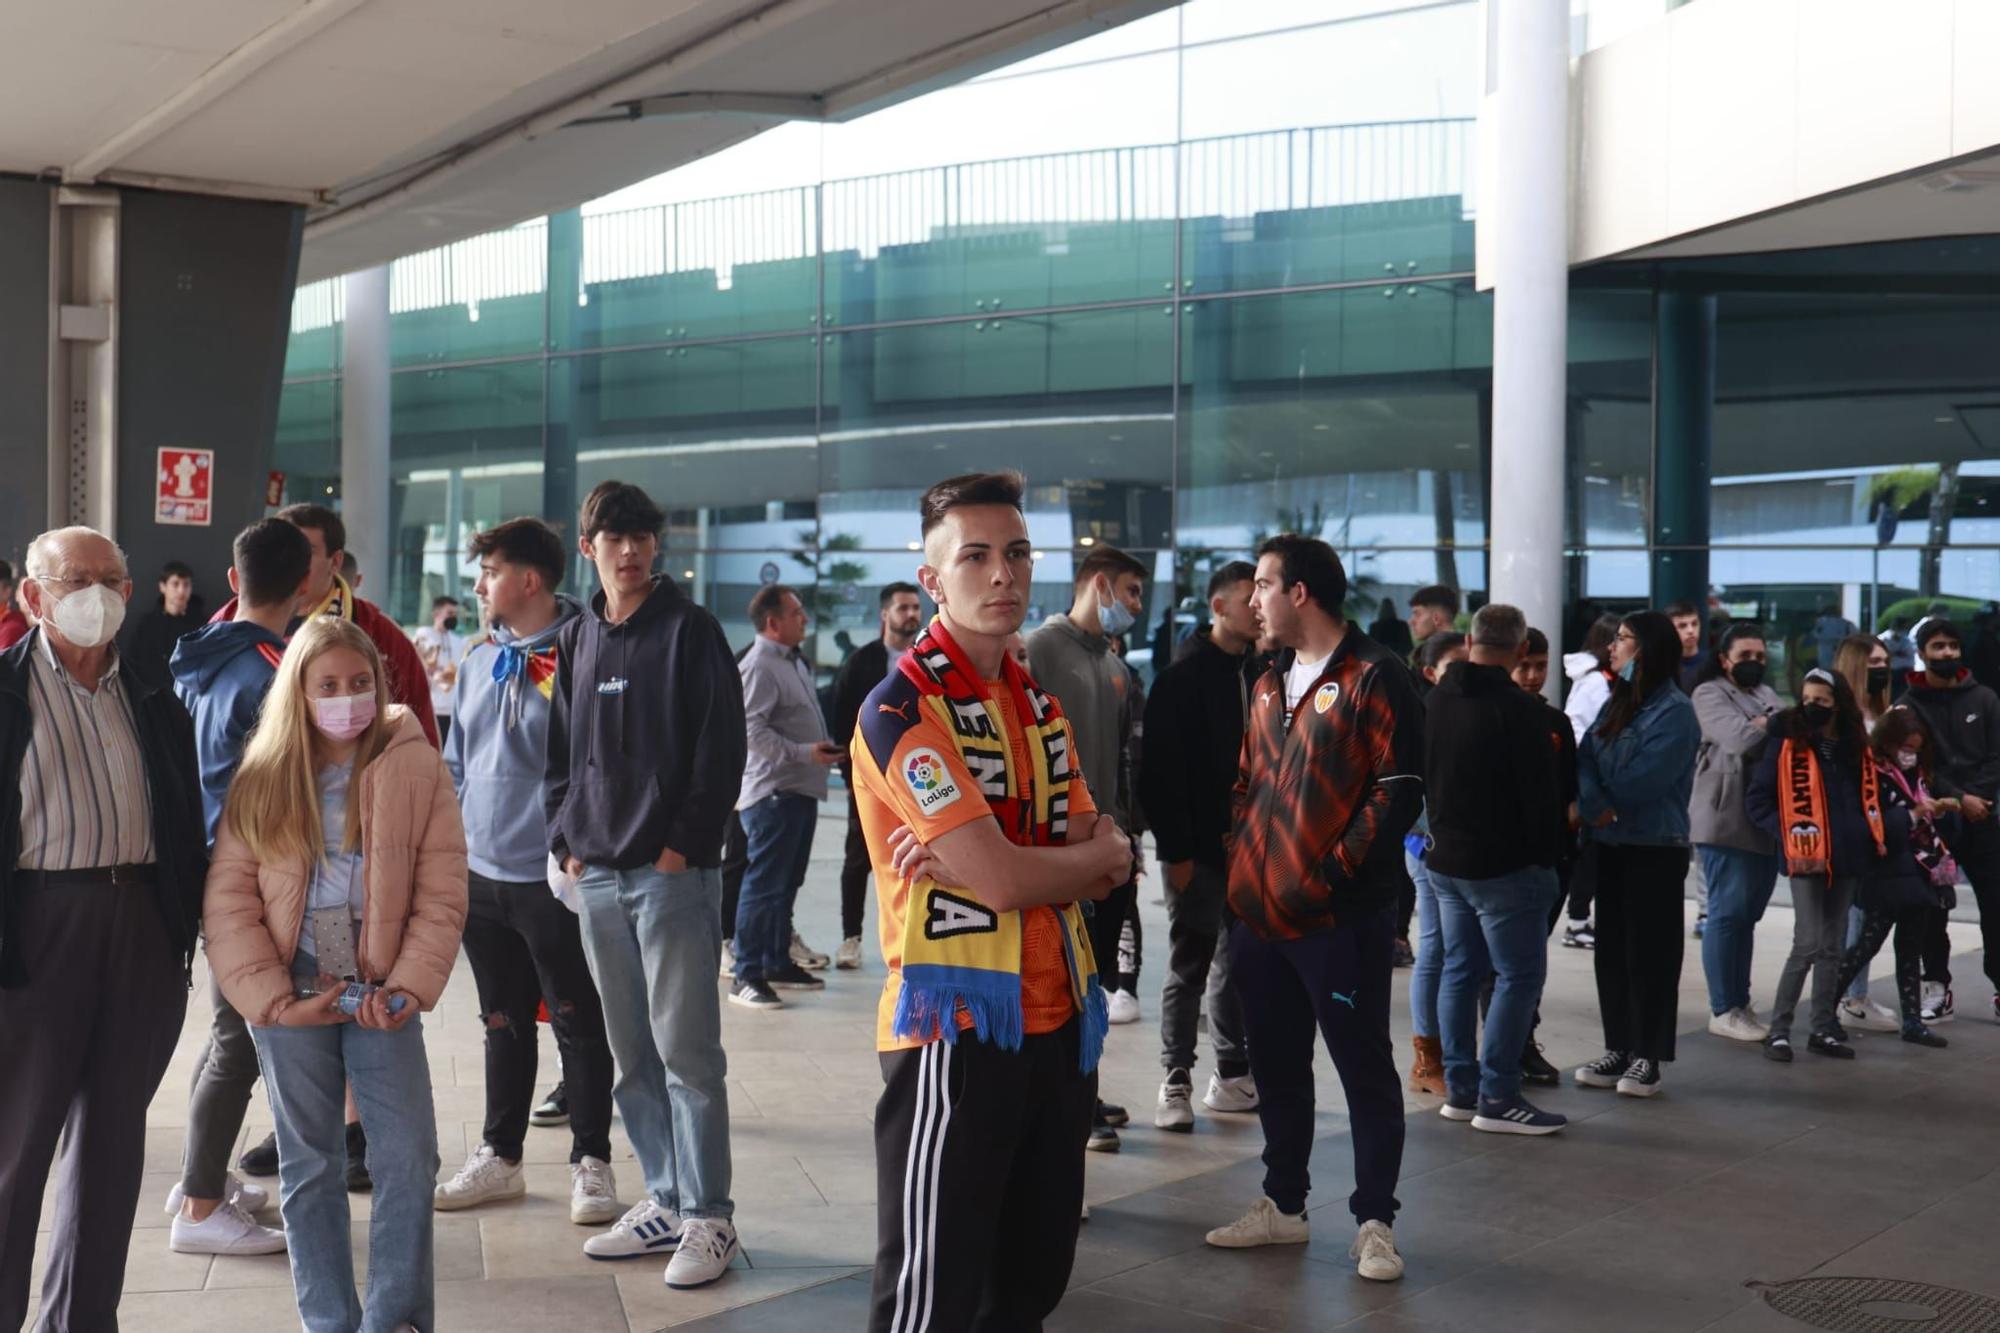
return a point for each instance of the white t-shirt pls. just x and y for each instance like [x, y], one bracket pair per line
[336, 879]
[450, 650]
[1300, 679]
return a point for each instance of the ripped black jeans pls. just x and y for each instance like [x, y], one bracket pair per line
[526, 949]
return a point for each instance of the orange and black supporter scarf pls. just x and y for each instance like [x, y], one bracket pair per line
[960, 956]
[1802, 809]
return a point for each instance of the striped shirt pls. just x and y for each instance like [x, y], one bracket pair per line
[85, 800]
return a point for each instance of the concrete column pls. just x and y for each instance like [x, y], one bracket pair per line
[364, 428]
[1530, 304]
[1683, 444]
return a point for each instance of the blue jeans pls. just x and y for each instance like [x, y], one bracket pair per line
[779, 834]
[1498, 926]
[1859, 990]
[1739, 889]
[1429, 967]
[306, 1074]
[653, 941]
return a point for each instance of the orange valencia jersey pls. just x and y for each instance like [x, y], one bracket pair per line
[907, 770]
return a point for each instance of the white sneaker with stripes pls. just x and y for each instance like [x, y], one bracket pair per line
[645, 1229]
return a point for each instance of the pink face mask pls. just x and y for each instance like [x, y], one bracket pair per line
[345, 716]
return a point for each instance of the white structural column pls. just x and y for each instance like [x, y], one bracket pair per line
[1530, 274]
[364, 424]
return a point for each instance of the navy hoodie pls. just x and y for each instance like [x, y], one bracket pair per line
[221, 672]
[646, 738]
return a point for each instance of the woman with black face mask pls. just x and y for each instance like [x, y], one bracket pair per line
[1738, 859]
[1863, 662]
[1818, 792]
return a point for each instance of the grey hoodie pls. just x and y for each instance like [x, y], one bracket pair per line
[1096, 692]
[497, 753]
[1731, 744]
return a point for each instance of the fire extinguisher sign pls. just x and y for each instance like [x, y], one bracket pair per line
[186, 486]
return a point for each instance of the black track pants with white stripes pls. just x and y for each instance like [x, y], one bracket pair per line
[979, 1183]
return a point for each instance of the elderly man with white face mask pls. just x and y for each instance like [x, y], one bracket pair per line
[101, 869]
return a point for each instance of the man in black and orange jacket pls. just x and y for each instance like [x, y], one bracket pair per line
[1329, 784]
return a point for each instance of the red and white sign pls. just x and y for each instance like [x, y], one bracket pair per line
[274, 489]
[185, 480]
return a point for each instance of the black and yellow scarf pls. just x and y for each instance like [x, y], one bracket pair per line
[963, 956]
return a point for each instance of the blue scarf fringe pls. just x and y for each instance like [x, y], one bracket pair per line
[932, 995]
[1096, 1024]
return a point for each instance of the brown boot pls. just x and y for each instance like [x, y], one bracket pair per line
[1427, 1070]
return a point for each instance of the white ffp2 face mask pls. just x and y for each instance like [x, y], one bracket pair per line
[88, 617]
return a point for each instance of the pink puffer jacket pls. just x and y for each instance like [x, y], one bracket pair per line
[413, 887]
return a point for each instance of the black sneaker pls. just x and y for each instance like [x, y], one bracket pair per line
[1640, 1079]
[1519, 1116]
[1536, 1069]
[261, 1160]
[1826, 1043]
[1604, 1071]
[1779, 1049]
[1103, 1138]
[1919, 1035]
[793, 977]
[1580, 936]
[358, 1179]
[553, 1110]
[1112, 1115]
[1405, 955]
[1459, 1108]
[1838, 1031]
[754, 995]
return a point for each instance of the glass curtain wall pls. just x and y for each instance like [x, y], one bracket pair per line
[1202, 277]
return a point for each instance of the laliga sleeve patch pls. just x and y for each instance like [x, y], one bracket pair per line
[929, 780]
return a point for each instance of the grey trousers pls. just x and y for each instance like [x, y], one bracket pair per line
[225, 1074]
[1819, 938]
[1198, 917]
[86, 1043]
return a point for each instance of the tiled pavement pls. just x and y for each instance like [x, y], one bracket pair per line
[1642, 1215]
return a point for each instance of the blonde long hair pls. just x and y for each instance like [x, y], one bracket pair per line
[1851, 661]
[273, 803]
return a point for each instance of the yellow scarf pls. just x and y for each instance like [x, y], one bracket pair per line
[957, 952]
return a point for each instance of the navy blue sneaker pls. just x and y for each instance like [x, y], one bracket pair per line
[1457, 1107]
[1519, 1116]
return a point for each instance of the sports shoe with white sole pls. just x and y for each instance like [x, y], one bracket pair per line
[227, 1230]
[485, 1178]
[1937, 1003]
[806, 956]
[1871, 1016]
[1262, 1225]
[1231, 1095]
[707, 1245]
[553, 1109]
[1123, 1006]
[593, 1193]
[1374, 1251]
[728, 968]
[1519, 1116]
[753, 994]
[1737, 1026]
[1604, 1071]
[646, 1228]
[250, 1198]
[848, 956]
[1458, 1108]
[1175, 1111]
[1640, 1079]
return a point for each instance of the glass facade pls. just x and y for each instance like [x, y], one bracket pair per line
[1202, 278]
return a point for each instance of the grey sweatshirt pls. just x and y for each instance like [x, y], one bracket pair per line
[1095, 691]
[1731, 743]
[497, 753]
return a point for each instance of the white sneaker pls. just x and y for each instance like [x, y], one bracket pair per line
[1174, 1111]
[485, 1177]
[848, 956]
[1124, 1006]
[1262, 1225]
[227, 1230]
[804, 955]
[1230, 1094]
[1870, 1016]
[707, 1246]
[593, 1193]
[1375, 1250]
[646, 1228]
[1737, 1026]
[728, 968]
[251, 1198]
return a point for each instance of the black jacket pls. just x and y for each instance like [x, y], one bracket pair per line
[1194, 742]
[646, 738]
[1499, 768]
[860, 673]
[1963, 719]
[148, 642]
[166, 743]
[1851, 841]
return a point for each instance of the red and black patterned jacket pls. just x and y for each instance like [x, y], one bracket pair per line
[1324, 798]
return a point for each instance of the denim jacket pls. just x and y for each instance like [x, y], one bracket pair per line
[1645, 773]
